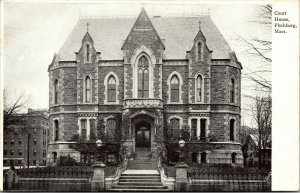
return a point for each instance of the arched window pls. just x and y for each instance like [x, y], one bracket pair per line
[194, 157]
[111, 128]
[56, 130]
[199, 82]
[55, 91]
[87, 52]
[111, 89]
[233, 158]
[175, 126]
[203, 157]
[174, 89]
[194, 128]
[199, 49]
[232, 86]
[143, 78]
[83, 125]
[202, 129]
[232, 132]
[87, 89]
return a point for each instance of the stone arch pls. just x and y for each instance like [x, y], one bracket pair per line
[175, 73]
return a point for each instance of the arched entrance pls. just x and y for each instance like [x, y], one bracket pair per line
[143, 135]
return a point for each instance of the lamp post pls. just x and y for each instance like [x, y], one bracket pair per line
[98, 179]
[181, 153]
[99, 144]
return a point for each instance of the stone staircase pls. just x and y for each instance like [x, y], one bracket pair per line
[141, 175]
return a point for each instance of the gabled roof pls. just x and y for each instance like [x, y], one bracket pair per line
[176, 33]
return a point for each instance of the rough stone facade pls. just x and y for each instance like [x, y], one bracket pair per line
[217, 68]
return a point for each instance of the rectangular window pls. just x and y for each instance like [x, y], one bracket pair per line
[5, 152]
[12, 141]
[20, 152]
[5, 141]
[12, 152]
[111, 93]
[34, 141]
[44, 141]
[33, 162]
[44, 153]
[56, 130]
[34, 152]
[83, 128]
[20, 141]
[34, 130]
[194, 128]
[202, 128]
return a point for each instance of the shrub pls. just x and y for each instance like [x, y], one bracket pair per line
[66, 161]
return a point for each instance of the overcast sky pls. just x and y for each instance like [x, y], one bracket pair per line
[33, 32]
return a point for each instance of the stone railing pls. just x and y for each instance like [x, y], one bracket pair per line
[143, 103]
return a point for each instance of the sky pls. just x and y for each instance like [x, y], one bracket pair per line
[33, 32]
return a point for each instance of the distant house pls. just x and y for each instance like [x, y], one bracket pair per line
[27, 143]
[251, 152]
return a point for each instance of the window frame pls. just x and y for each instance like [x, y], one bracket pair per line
[232, 97]
[56, 130]
[201, 88]
[56, 92]
[174, 90]
[180, 87]
[106, 97]
[143, 80]
[232, 129]
[111, 90]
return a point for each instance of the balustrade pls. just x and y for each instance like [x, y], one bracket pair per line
[143, 103]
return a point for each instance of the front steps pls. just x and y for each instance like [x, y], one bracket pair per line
[140, 181]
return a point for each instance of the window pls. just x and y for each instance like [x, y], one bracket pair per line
[33, 162]
[202, 128]
[175, 126]
[111, 128]
[194, 157]
[199, 82]
[87, 89]
[44, 153]
[55, 91]
[20, 141]
[199, 49]
[20, 152]
[143, 78]
[233, 158]
[174, 89]
[5, 141]
[12, 152]
[19, 162]
[87, 52]
[12, 141]
[111, 158]
[44, 131]
[44, 141]
[34, 130]
[232, 86]
[203, 157]
[5, 152]
[83, 123]
[54, 154]
[111, 90]
[34, 141]
[34, 151]
[194, 128]
[231, 135]
[56, 130]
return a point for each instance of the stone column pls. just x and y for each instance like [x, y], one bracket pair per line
[181, 183]
[98, 179]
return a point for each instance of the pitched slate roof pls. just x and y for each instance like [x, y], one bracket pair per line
[177, 33]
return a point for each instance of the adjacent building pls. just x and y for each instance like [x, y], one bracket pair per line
[143, 75]
[27, 144]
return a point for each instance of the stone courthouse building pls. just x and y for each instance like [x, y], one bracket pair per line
[141, 74]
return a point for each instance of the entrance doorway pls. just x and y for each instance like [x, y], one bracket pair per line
[143, 135]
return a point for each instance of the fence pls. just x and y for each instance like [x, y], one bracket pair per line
[52, 179]
[229, 179]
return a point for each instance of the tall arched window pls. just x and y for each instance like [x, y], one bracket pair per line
[111, 128]
[83, 125]
[55, 91]
[232, 85]
[233, 157]
[199, 82]
[175, 126]
[56, 130]
[143, 78]
[87, 89]
[194, 128]
[202, 129]
[111, 89]
[203, 157]
[87, 52]
[232, 125]
[174, 89]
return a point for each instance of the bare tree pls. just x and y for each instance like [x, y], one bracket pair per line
[261, 49]
[262, 114]
[11, 110]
